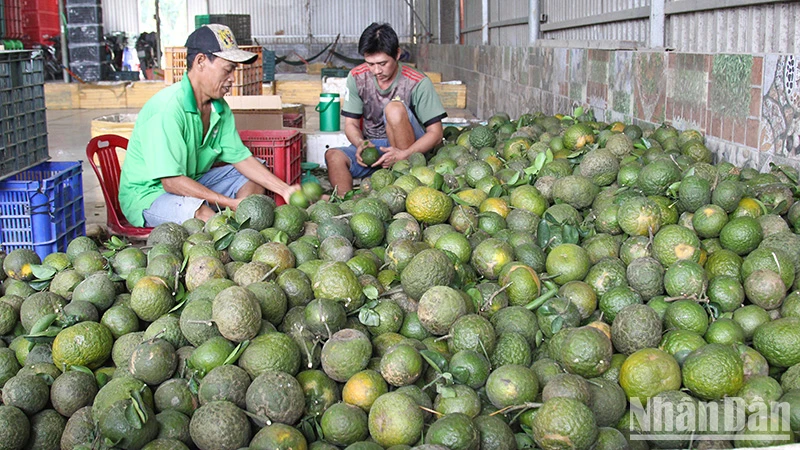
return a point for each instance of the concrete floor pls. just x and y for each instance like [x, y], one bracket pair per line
[68, 133]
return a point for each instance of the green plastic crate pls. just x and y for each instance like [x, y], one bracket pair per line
[337, 73]
[268, 63]
[201, 20]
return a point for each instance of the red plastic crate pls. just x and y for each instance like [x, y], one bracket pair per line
[40, 26]
[292, 120]
[280, 149]
[13, 17]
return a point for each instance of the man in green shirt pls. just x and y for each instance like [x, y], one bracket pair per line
[401, 112]
[182, 132]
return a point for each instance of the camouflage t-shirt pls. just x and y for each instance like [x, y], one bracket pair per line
[363, 98]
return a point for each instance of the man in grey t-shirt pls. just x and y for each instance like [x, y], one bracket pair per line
[398, 105]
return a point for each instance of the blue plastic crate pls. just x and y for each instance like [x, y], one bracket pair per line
[41, 208]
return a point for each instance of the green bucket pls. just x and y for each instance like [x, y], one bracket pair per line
[329, 110]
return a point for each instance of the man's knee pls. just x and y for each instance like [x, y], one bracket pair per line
[335, 158]
[395, 113]
[250, 188]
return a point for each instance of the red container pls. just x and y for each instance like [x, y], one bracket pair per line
[41, 20]
[13, 16]
[292, 120]
[280, 149]
[40, 27]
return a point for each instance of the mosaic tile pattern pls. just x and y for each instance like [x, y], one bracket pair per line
[780, 114]
[748, 106]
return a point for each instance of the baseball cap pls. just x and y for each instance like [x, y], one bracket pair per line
[219, 41]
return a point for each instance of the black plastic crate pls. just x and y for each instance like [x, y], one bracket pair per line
[238, 23]
[84, 34]
[87, 71]
[22, 147]
[84, 15]
[85, 53]
[14, 65]
[33, 72]
[69, 3]
[124, 75]
[32, 92]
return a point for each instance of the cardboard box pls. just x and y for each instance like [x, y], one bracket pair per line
[257, 112]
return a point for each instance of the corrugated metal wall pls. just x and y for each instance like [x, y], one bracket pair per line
[563, 10]
[121, 15]
[634, 30]
[472, 18]
[283, 21]
[567, 10]
[514, 35]
[287, 18]
[771, 28]
[426, 20]
[287, 21]
[331, 18]
[768, 28]
[195, 8]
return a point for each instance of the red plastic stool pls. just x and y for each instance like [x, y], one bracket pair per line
[108, 170]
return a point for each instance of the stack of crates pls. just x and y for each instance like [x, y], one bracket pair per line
[248, 76]
[41, 202]
[2, 19]
[12, 19]
[41, 208]
[41, 21]
[85, 38]
[23, 123]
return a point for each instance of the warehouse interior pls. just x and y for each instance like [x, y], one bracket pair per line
[726, 72]
[550, 251]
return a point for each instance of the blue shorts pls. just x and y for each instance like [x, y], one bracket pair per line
[359, 171]
[225, 180]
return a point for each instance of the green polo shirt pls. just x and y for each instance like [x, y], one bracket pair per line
[168, 141]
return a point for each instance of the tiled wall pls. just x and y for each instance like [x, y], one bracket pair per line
[748, 106]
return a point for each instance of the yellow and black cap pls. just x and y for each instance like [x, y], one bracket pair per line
[219, 41]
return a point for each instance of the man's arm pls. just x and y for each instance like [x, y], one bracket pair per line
[352, 129]
[429, 111]
[432, 137]
[187, 187]
[251, 168]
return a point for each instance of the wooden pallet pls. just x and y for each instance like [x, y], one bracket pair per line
[452, 95]
[103, 95]
[58, 96]
[305, 92]
[139, 92]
